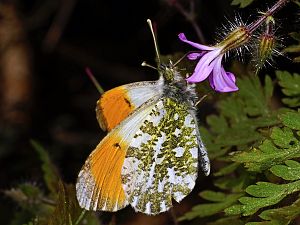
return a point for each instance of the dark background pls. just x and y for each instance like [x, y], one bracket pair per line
[55, 100]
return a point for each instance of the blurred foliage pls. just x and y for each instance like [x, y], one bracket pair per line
[295, 48]
[58, 206]
[242, 3]
[290, 87]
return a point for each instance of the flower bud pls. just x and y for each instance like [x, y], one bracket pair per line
[266, 46]
[235, 39]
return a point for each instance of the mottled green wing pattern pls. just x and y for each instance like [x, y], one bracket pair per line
[162, 160]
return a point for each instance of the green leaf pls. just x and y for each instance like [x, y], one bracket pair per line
[213, 148]
[290, 84]
[245, 119]
[284, 137]
[296, 47]
[269, 88]
[227, 169]
[242, 114]
[268, 154]
[234, 184]
[218, 124]
[291, 120]
[51, 175]
[265, 194]
[289, 172]
[213, 196]
[282, 216]
[255, 96]
[232, 220]
[242, 3]
[209, 209]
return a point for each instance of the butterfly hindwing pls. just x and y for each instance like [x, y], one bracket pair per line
[204, 162]
[99, 181]
[116, 104]
[162, 160]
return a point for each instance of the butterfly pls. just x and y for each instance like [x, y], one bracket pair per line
[153, 149]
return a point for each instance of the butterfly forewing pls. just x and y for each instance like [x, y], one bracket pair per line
[99, 181]
[161, 161]
[116, 104]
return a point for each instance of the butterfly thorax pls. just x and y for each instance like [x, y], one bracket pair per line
[176, 87]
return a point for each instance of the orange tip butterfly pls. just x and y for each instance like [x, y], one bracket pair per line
[153, 149]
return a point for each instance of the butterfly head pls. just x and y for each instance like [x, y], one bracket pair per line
[167, 71]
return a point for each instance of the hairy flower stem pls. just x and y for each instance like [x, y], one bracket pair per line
[278, 5]
[241, 35]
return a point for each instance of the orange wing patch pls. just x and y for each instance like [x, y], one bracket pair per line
[99, 183]
[113, 107]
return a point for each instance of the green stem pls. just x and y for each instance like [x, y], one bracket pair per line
[81, 216]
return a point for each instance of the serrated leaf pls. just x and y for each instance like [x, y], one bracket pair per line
[237, 136]
[283, 138]
[290, 84]
[209, 209]
[267, 154]
[291, 120]
[282, 216]
[241, 116]
[51, 175]
[289, 172]
[267, 194]
[253, 94]
[236, 112]
[245, 111]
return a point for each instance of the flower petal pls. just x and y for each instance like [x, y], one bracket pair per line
[222, 81]
[194, 56]
[196, 45]
[204, 67]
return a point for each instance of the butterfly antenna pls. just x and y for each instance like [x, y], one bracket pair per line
[94, 80]
[148, 65]
[155, 41]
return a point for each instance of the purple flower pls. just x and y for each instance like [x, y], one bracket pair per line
[210, 66]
